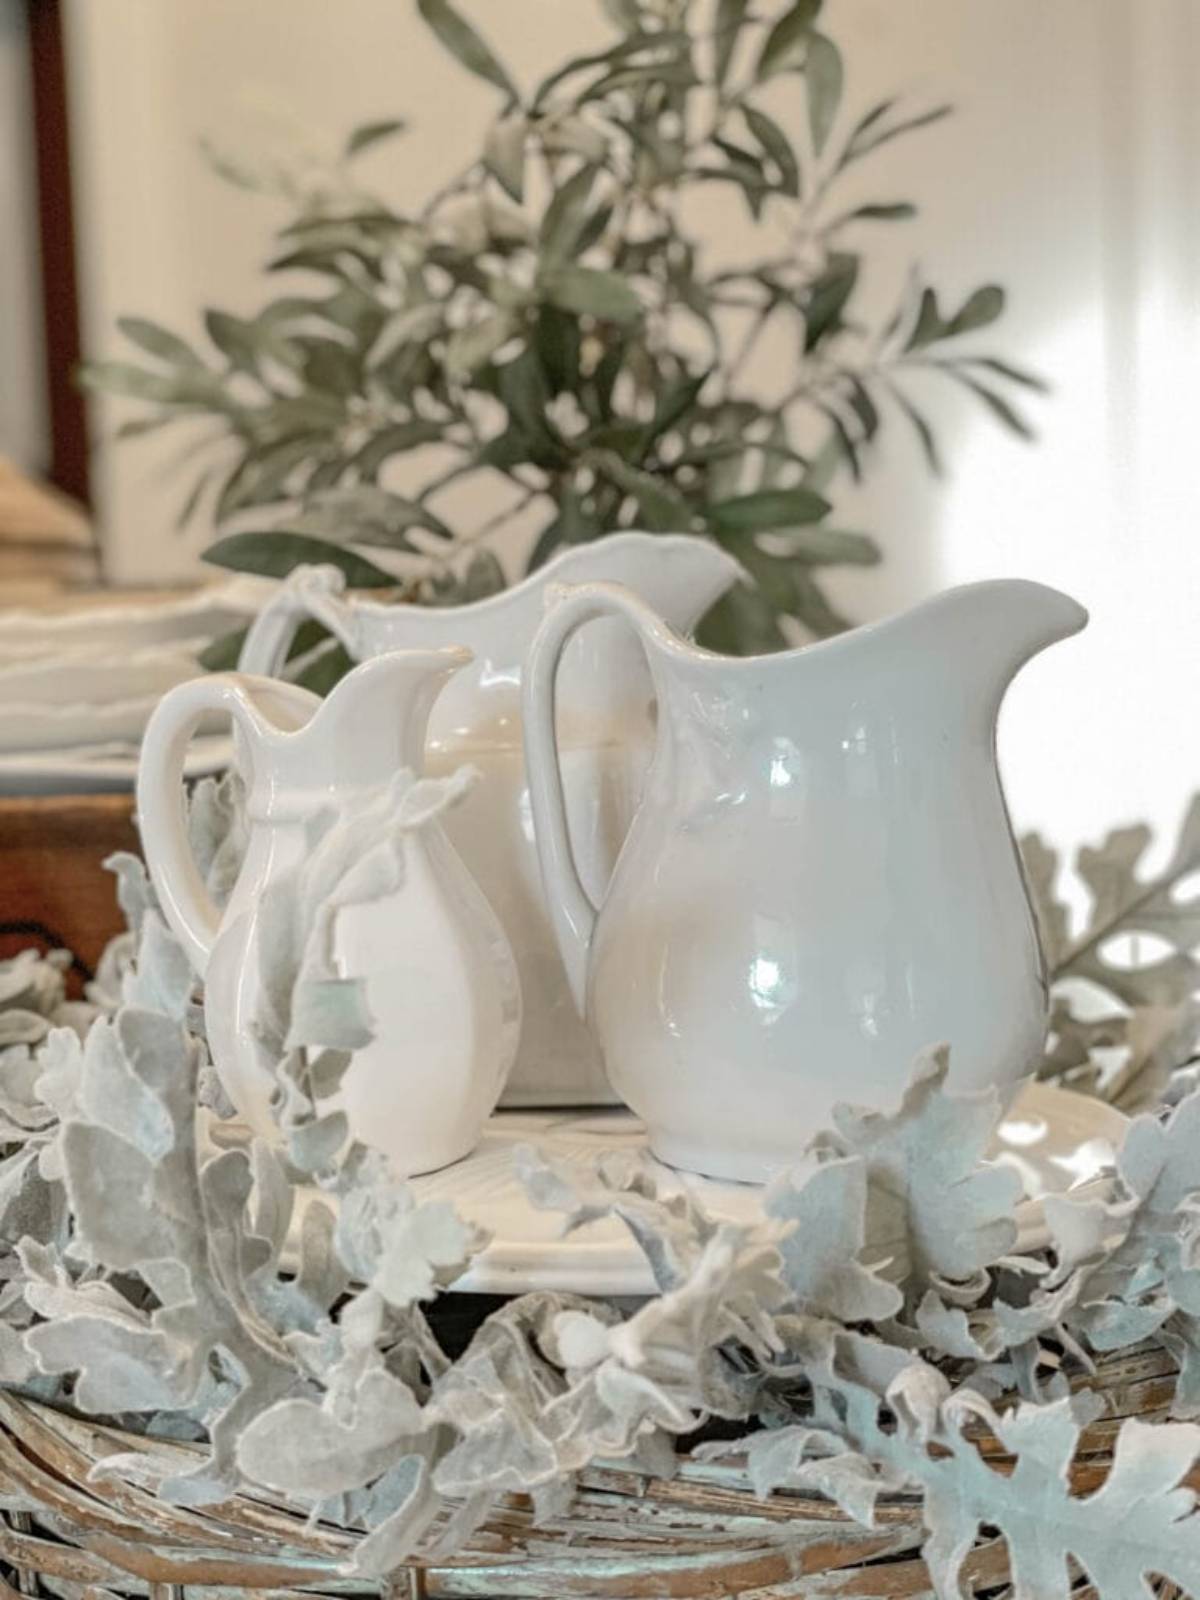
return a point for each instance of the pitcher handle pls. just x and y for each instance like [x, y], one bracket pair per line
[310, 591]
[572, 911]
[186, 903]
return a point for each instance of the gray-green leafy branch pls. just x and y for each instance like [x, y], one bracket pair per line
[549, 322]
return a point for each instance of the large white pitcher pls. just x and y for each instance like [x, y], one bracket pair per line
[605, 730]
[437, 975]
[820, 882]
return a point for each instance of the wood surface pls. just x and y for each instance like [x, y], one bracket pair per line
[54, 887]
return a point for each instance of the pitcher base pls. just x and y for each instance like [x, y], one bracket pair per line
[713, 1161]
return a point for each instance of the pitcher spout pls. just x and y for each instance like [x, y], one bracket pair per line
[679, 575]
[997, 626]
[378, 714]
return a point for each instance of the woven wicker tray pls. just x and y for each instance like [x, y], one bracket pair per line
[700, 1534]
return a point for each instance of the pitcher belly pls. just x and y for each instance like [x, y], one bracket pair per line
[732, 1023]
[441, 990]
[558, 1061]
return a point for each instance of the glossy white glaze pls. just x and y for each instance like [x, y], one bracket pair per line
[821, 879]
[441, 984]
[605, 733]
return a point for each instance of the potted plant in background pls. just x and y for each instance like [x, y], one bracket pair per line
[549, 321]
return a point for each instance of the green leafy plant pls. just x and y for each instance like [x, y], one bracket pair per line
[549, 320]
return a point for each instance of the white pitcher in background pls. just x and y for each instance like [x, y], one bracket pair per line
[433, 963]
[605, 730]
[821, 880]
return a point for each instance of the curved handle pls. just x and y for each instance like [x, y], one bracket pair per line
[571, 910]
[310, 591]
[162, 818]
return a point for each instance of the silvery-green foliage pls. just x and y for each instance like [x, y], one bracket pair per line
[822, 1265]
[217, 832]
[39, 1029]
[864, 1323]
[546, 321]
[163, 1290]
[144, 1204]
[1129, 1268]
[883, 1422]
[1139, 1522]
[1150, 1001]
[346, 1403]
[33, 1000]
[930, 1202]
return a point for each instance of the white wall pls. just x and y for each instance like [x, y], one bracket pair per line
[23, 428]
[1069, 175]
[1072, 176]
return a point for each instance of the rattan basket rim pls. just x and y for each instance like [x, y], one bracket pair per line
[702, 1532]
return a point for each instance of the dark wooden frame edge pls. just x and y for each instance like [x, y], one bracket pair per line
[69, 456]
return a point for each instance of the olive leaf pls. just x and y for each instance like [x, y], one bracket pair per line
[977, 310]
[158, 341]
[504, 153]
[594, 293]
[730, 16]
[783, 45]
[274, 553]
[371, 133]
[823, 76]
[465, 44]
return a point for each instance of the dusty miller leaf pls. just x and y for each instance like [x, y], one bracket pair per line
[300, 1447]
[950, 1217]
[821, 1265]
[1152, 1002]
[1139, 1522]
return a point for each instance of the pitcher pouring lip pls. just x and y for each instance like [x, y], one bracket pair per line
[1015, 617]
[377, 715]
[990, 628]
[680, 575]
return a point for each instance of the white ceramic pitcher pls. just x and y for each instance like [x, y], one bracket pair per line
[605, 731]
[820, 882]
[439, 979]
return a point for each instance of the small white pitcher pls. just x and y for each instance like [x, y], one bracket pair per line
[435, 969]
[605, 737]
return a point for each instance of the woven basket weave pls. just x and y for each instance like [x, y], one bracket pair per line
[701, 1534]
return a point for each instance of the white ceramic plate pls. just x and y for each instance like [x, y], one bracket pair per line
[39, 729]
[94, 680]
[100, 768]
[34, 633]
[1055, 1140]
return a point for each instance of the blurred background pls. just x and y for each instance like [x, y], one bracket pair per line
[1067, 175]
